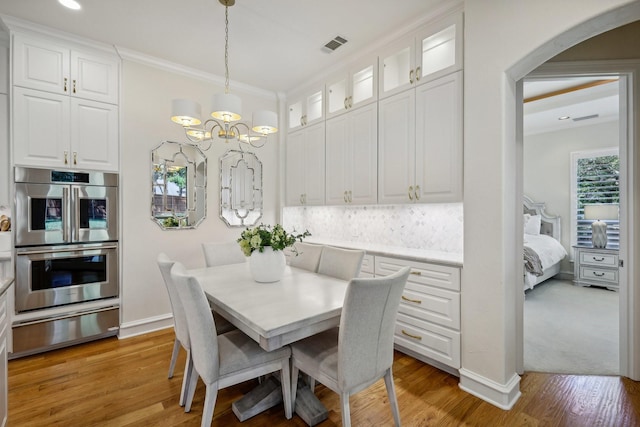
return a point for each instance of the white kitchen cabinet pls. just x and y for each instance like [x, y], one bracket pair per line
[428, 320]
[4, 330]
[55, 130]
[306, 108]
[420, 143]
[46, 65]
[426, 54]
[354, 88]
[305, 167]
[351, 157]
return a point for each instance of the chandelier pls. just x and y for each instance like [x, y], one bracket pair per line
[225, 122]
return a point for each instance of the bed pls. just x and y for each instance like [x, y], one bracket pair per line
[543, 251]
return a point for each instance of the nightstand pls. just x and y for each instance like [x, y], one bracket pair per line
[596, 267]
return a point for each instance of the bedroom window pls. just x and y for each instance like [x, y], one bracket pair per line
[596, 180]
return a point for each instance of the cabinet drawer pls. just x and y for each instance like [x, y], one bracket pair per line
[601, 275]
[433, 341]
[602, 259]
[435, 305]
[421, 273]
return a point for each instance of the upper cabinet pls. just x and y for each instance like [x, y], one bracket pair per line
[305, 171]
[354, 88]
[45, 65]
[306, 108]
[431, 52]
[64, 104]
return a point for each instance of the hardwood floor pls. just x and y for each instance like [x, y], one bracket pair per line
[115, 382]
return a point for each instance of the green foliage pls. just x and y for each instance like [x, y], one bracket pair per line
[257, 238]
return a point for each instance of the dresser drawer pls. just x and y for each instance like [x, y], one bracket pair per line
[601, 275]
[422, 273]
[432, 304]
[597, 258]
[433, 341]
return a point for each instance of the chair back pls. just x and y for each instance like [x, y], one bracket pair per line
[179, 318]
[367, 324]
[308, 256]
[202, 328]
[340, 263]
[222, 253]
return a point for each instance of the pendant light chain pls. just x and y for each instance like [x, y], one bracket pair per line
[226, 49]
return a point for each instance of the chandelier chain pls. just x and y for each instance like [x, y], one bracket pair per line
[226, 49]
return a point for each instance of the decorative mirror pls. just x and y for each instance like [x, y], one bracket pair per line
[179, 186]
[240, 188]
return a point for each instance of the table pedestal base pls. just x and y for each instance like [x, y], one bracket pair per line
[266, 395]
[308, 407]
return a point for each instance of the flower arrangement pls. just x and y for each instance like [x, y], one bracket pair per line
[257, 238]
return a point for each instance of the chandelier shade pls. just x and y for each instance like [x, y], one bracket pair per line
[227, 107]
[265, 122]
[185, 112]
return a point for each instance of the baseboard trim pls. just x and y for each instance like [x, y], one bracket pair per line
[144, 326]
[504, 396]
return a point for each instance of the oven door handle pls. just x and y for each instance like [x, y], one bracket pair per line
[76, 213]
[58, 250]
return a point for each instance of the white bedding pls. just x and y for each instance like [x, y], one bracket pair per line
[548, 249]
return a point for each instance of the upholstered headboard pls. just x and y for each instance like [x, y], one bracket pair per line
[549, 225]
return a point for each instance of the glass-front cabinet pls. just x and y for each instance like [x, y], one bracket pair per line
[306, 108]
[431, 52]
[354, 88]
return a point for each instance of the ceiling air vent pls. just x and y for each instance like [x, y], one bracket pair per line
[334, 44]
[592, 116]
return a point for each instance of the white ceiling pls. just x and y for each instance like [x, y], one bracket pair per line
[273, 45]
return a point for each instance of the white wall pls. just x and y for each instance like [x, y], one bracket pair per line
[503, 42]
[547, 169]
[145, 109]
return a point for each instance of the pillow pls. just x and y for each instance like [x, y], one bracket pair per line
[532, 226]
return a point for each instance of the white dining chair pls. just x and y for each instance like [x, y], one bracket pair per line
[179, 324]
[340, 263]
[222, 253]
[352, 357]
[306, 256]
[223, 360]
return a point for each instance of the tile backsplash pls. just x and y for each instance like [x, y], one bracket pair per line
[435, 227]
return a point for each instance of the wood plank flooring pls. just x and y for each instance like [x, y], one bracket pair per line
[114, 382]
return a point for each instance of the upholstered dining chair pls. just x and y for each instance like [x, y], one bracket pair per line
[340, 263]
[179, 324]
[356, 355]
[306, 256]
[223, 360]
[222, 253]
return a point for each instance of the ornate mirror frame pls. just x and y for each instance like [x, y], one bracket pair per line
[178, 186]
[240, 188]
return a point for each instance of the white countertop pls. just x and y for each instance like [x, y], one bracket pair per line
[426, 255]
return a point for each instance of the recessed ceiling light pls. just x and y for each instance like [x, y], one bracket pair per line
[71, 4]
[564, 117]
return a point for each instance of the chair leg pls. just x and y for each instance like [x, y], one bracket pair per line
[346, 412]
[285, 380]
[191, 389]
[393, 400]
[188, 370]
[174, 356]
[294, 386]
[209, 403]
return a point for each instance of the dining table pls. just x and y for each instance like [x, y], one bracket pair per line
[302, 303]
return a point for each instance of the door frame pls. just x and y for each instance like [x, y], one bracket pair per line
[629, 308]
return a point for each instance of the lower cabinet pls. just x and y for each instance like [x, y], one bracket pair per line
[4, 386]
[428, 321]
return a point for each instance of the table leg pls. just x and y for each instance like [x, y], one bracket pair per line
[308, 406]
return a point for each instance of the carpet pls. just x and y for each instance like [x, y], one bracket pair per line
[570, 329]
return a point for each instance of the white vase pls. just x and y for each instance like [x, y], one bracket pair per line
[267, 266]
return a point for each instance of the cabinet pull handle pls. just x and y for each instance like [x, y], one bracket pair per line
[65, 157]
[416, 273]
[411, 76]
[415, 337]
[345, 196]
[74, 85]
[410, 192]
[595, 273]
[350, 101]
[418, 73]
[350, 197]
[301, 200]
[301, 120]
[346, 103]
[75, 158]
[65, 84]
[417, 301]
[598, 259]
[305, 119]
[417, 192]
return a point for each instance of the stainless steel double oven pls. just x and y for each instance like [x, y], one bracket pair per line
[66, 240]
